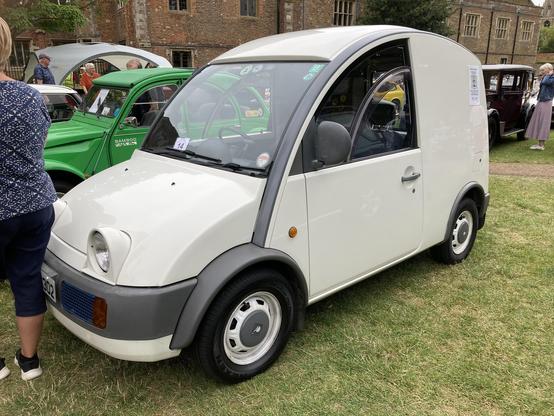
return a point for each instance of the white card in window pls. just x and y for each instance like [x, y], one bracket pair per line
[105, 111]
[474, 86]
[181, 143]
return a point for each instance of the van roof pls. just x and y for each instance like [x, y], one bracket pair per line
[132, 77]
[306, 45]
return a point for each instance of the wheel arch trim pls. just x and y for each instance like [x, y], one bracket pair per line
[221, 271]
[476, 192]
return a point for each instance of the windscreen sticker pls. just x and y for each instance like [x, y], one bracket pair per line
[309, 77]
[106, 111]
[314, 69]
[262, 160]
[246, 70]
[474, 86]
[181, 143]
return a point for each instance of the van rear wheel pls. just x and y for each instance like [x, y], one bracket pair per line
[247, 326]
[462, 235]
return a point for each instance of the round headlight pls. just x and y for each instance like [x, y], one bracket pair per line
[101, 252]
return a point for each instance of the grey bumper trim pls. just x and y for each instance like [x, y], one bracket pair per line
[134, 313]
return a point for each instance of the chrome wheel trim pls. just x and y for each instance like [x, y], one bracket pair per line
[462, 232]
[259, 302]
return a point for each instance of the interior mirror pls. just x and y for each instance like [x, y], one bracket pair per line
[131, 121]
[332, 144]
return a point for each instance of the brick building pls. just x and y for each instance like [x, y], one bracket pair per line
[503, 31]
[190, 32]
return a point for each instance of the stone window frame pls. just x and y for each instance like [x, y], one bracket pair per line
[178, 5]
[189, 51]
[251, 6]
[344, 13]
[527, 35]
[501, 32]
[472, 28]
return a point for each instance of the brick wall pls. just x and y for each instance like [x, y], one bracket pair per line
[487, 44]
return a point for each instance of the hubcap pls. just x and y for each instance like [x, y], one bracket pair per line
[252, 328]
[462, 232]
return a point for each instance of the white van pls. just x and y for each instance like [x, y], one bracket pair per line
[289, 168]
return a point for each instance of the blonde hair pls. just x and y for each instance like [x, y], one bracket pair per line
[5, 44]
[545, 67]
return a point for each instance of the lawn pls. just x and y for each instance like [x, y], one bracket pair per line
[510, 150]
[418, 339]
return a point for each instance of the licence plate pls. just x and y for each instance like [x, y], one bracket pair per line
[49, 287]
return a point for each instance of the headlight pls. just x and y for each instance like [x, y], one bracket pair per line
[101, 252]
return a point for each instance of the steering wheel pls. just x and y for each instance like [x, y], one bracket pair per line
[247, 140]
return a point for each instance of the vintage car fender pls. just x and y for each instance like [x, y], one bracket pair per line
[52, 166]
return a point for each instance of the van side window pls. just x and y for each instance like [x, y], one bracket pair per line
[386, 123]
[343, 102]
[345, 97]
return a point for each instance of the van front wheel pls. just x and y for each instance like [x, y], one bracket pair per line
[461, 237]
[247, 326]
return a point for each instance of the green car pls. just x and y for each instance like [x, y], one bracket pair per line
[113, 121]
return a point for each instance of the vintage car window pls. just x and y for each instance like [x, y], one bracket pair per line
[149, 103]
[512, 82]
[491, 82]
[232, 116]
[345, 97]
[105, 102]
[384, 126]
[60, 106]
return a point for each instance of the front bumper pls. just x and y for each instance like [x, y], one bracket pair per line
[140, 320]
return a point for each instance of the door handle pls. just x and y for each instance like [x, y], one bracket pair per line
[411, 177]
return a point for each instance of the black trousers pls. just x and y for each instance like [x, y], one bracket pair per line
[23, 241]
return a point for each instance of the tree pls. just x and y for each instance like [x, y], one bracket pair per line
[429, 15]
[546, 39]
[51, 16]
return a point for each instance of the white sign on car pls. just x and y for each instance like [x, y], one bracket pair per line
[281, 173]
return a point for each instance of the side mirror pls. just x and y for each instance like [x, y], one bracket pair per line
[131, 121]
[332, 144]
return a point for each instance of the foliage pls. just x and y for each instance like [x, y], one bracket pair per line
[546, 39]
[429, 15]
[46, 15]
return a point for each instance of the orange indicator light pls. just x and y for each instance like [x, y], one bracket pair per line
[99, 313]
[292, 232]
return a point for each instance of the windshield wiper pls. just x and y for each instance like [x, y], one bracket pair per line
[236, 166]
[190, 153]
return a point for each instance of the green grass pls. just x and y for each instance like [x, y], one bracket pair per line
[509, 150]
[419, 339]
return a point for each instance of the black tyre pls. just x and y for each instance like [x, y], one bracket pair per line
[493, 132]
[462, 235]
[247, 326]
[63, 186]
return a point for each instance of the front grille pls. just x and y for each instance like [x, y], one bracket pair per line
[77, 302]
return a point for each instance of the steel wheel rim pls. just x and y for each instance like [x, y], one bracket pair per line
[260, 304]
[461, 234]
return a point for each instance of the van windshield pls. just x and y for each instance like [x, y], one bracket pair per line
[105, 102]
[232, 116]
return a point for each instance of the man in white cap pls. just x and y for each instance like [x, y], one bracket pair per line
[43, 75]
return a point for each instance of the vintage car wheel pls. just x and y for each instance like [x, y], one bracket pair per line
[247, 326]
[462, 235]
[493, 132]
[521, 134]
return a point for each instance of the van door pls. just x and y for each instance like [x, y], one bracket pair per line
[134, 125]
[367, 212]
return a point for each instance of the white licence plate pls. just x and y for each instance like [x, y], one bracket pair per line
[49, 287]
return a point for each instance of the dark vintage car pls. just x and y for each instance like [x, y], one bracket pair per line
[507, 87]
